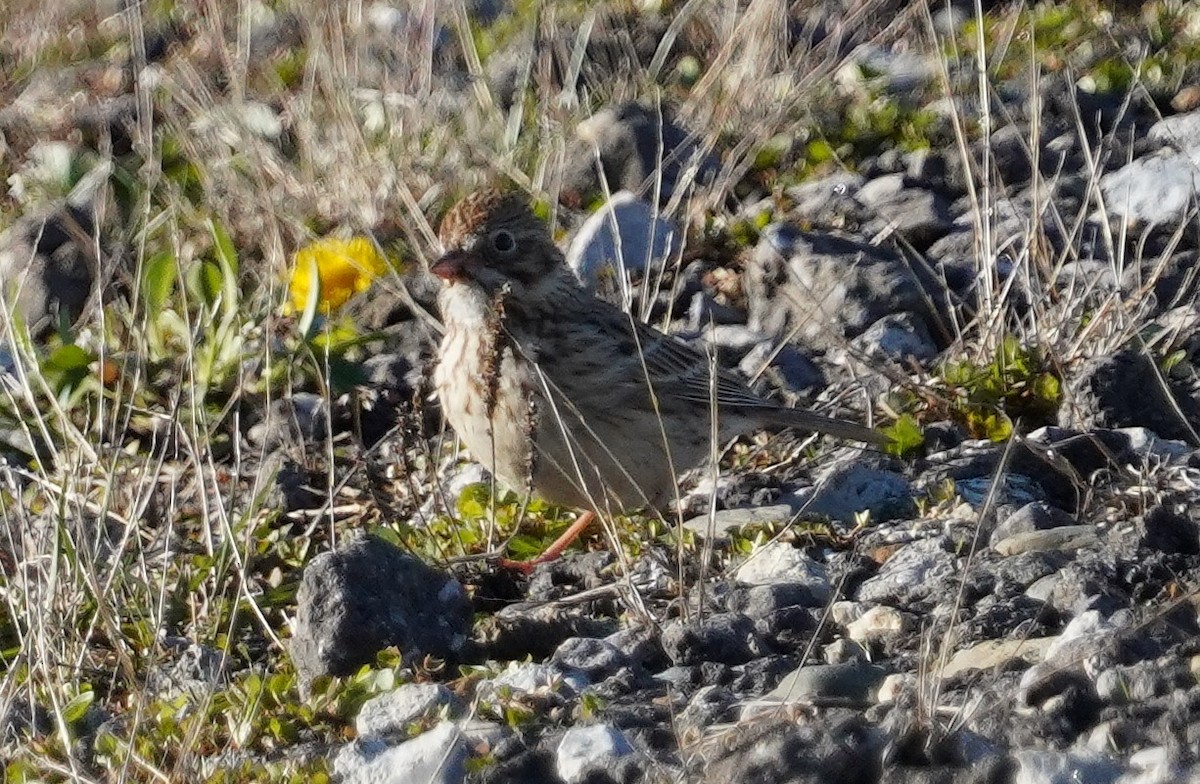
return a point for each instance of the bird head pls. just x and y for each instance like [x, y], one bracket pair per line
[492, 239]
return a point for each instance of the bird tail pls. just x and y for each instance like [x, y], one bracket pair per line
[838, 428]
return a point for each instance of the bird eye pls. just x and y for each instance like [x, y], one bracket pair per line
[503, 241]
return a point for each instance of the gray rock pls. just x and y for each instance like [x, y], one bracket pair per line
[584, 748]
[915, 566]
[762, 601]
[192, 670]
[843, 651]
[728, 638]
[847, 488]
[368, 595]
[903, 338]
[625, 235]
[826, 201]
[1035, 516]
[854, 682]
[816, 288]
[920, 216]
[780, 562]
[1181, 131]
[721, 522]
[47, 268]
[390, 713]
[533, 680]
[1056, 767]
[437, 756]
[1151, 191]
[637, 147]
[1124, 390]
[1066, 537]
[596, 659]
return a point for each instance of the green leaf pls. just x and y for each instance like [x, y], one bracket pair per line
[74, 710]
[67, 367]
[905, 434]
[158, 278]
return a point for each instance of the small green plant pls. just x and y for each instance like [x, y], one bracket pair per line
[1018, 384]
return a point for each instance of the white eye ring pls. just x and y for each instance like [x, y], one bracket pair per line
[503, 241]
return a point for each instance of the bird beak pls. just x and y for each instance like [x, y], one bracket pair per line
[455, 266]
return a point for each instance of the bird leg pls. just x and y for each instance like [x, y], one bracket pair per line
[554, 550]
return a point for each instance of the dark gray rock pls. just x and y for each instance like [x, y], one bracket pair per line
[48, 268]
[1124, 390]
[1037, 515]
[369, 595]
[724, 638]
[638, 146]
[782, 751]
[846, 488]
[920, 216]
[902, 338]
[595, 658]
[816, 288]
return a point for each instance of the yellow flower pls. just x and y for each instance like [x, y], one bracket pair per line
[338, 268]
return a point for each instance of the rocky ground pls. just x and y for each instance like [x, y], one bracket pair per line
[240, 545]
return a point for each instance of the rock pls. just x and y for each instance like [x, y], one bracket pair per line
[1054, 767]
[1034, 516]
[584, 748]
[847, 488]
[816, 288]
[779, 562]
[1066, 537]
[920, 216]
[1181, 131]
[994, 655]
[594, 658]
[531, 679]
[1123, 390]
[1170, 531]
[637, 147]
[915, 567]
[1155, 190]
[721, 522]
[47, 268]
[437, 756]
[879, 621]
[826, 683]
[727, 638]
[625, 235]
[192, 670]
[368, 595]
[390, 713]
[843, 651]
[762, 601]
[902, 338]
